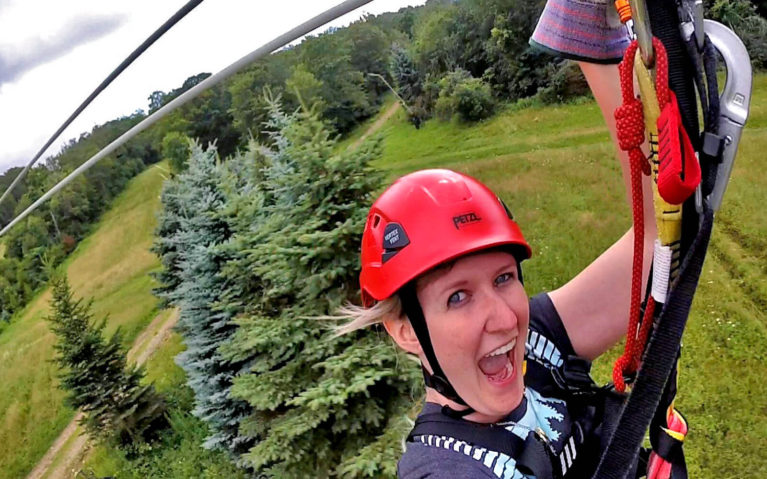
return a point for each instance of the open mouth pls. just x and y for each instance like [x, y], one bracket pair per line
[498, 365]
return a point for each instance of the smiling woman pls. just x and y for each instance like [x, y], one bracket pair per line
[441, 270]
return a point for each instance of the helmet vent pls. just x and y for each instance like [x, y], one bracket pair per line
[376, 220]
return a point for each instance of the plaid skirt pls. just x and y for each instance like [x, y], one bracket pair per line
[585, 30]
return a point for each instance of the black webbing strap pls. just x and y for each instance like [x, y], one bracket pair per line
[664, 20]
[530, 455]
[659, 361]
[437, 380]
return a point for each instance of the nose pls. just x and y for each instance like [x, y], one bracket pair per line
[499, 315]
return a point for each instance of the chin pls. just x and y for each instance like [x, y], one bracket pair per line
[495, 405]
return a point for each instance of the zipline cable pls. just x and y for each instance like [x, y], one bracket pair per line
[115, 73]
[279, 42]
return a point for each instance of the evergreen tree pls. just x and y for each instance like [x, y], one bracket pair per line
[321, 405]
[191, 228]
[96, 375]
[165, 244]
[409, 83]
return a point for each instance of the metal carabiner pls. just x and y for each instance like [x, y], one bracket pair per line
[643, 31]
[735, 101]
[699, 24]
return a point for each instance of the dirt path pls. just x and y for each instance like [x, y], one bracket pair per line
[377, 125]
[70, 448]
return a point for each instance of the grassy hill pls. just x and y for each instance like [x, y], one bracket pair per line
[555, 167]
[112, 266]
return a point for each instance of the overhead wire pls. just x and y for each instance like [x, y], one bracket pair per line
[169, 23]
[269, 47]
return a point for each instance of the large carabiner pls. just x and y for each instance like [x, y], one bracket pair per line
[735, 101]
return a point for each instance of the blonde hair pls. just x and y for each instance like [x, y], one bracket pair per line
[360, 317]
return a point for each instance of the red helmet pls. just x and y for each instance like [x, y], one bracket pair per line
[427, 218]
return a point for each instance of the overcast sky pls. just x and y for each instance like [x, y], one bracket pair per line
[53, 53]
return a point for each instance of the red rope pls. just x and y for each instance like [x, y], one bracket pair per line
[629, 119]
[630, 129]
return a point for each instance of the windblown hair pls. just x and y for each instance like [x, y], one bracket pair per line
[360, 317]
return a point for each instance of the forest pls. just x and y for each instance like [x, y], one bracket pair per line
[260, 224]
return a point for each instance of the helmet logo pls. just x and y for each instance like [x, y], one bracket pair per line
[394, 240]
[464, 219]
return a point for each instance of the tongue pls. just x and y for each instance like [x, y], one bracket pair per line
[494, 364]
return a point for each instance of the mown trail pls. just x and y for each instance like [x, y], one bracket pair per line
[71, 447]
[380, 122]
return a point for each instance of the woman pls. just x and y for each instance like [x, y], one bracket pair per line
[506, 389]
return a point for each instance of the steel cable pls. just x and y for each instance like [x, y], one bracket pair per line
[115, 73]
[279, 42]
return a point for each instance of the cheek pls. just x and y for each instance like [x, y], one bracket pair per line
[454, 339]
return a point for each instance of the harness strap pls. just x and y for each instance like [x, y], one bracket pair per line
[532, 456]
[665, 26]
[659, 361]
[708, 89]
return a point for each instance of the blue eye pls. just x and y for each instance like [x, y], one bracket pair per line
[456, 298]
[504, 278]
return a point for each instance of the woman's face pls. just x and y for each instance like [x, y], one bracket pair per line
[477, 315]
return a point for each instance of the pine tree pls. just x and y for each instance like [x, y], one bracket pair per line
[165, 244]
[406, 76]
[321, 405]
[96, 375]
[192, 228]
[409, 83]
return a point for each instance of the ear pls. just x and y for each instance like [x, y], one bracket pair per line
[403, 334]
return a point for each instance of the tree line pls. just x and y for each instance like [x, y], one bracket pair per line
[49, 234]
[254, 250]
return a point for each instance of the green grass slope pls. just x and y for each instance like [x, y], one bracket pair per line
[112, 266]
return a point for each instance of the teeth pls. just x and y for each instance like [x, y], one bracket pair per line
[503, 349]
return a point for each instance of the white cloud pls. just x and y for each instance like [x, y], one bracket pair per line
[17, 59]
[211, 37]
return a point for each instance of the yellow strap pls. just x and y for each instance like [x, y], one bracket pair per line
[668, 217]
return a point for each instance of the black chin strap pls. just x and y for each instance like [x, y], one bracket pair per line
[436, 380]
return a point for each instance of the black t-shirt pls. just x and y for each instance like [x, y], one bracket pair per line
[440, 456]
